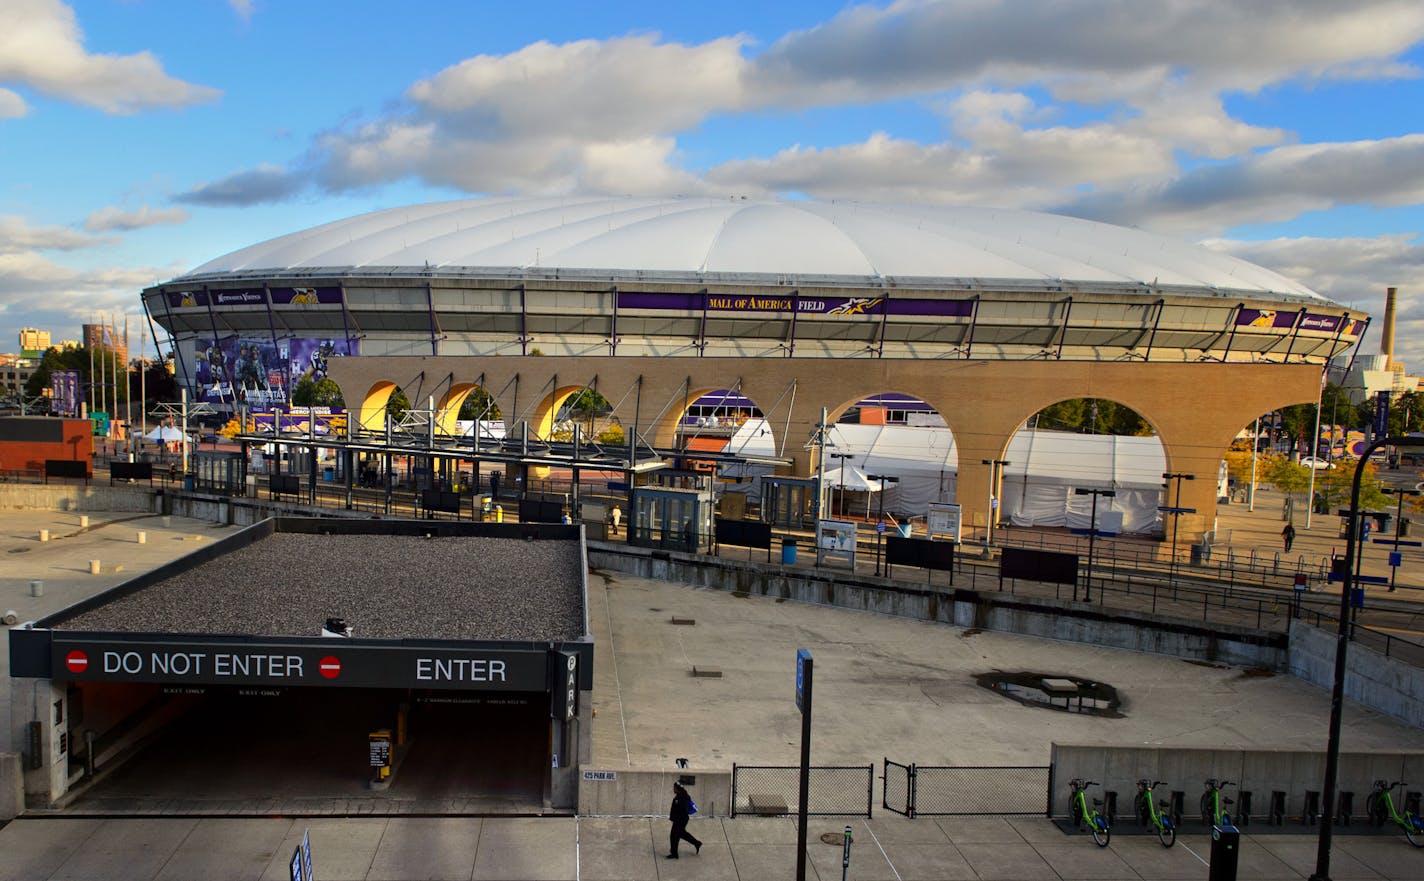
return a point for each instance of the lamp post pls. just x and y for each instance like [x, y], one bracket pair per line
[1092, 534]
[880, 515]
[1176, 511]
[996, 470]
[842, 457]
[1337, 692]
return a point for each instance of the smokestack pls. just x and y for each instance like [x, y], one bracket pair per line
[1387, 329]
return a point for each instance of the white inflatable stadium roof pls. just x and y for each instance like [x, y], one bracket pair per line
[736, 237]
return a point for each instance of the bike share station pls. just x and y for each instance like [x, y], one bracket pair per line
[257, 668]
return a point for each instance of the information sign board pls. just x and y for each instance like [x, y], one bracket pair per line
[944, 519]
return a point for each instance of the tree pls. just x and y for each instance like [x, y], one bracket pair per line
[397, 406]
[479, 404]
[320, 393]
[1093, 416]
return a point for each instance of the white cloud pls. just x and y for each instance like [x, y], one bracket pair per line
[17, 236]
[266, 183]
[243, 9]
[12, 106]
[42, 49]
[114, 218]
[1274, 185]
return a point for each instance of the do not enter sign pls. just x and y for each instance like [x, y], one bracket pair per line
[330, 667]
[76, 661]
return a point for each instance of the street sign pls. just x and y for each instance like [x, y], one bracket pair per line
[880, 527]
[803, 675]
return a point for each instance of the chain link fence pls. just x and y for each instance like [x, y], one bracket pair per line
[832, 791]
[938, 790]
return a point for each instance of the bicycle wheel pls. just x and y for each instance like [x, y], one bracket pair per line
[1102, 834]
[1414, 830]
[1167, 833]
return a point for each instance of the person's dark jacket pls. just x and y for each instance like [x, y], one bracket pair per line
[678, 813]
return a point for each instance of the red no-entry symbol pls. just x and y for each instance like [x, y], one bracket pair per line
[76, 661]
[330, 667]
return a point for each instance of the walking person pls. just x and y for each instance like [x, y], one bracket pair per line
[679, 814]
[1288, 534]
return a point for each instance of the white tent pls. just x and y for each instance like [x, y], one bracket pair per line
[164, 434]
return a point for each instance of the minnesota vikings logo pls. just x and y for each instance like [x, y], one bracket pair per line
[187, 300]
[304, 296]
[1265, 318]
[856, 306]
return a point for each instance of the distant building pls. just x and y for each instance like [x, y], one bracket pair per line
[14, 373]
[108, 337]
[33, 342]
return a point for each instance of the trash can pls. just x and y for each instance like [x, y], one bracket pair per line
[788, 551]
[188, 482]
[1403, 526]
[1382, 521]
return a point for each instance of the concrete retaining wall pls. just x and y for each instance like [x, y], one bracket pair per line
[1259, 772]
[629, 792]
[1007, 613]
[73, 497]
[1374, 680]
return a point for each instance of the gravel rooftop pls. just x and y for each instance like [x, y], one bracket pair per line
[386, 587]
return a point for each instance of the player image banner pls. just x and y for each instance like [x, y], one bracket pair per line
[260, 372]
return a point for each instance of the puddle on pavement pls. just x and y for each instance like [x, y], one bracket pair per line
[1066, 694]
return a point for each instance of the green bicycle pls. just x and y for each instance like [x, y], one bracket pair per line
[1214, 802]
[1380, 807]
[1147, 812]
[1082, 812]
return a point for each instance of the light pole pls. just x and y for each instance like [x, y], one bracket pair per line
[842, 457]
[1092, 534]
[996, 469]
[1176, 511]
[1337, 692]
[880, 515]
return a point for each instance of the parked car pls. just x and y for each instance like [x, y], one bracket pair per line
[1317, 463]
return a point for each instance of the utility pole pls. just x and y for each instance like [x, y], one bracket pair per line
[1092, 534]
[1176, 511]
[996, 472]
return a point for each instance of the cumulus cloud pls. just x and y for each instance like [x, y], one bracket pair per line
[266, 183]
[12, 106]
[18, 236]
[1353, 272]
[114, 218]
[42, 49]
[1279, 183]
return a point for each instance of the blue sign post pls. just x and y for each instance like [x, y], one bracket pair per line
[804, 678]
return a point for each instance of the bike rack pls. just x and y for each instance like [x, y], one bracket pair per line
[1278, 807]
[1110, 806]
[1243, 803]
[1345, 809]
[1311, 814]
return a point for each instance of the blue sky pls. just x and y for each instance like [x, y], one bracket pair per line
[141, 138]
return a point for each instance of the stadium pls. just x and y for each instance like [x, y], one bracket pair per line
[805, 308]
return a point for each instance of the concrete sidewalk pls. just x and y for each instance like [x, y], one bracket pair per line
[887, 848]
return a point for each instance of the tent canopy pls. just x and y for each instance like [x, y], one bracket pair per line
[164, 434]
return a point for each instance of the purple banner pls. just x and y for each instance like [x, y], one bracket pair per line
[187, 299]
[64, 392]
[258, 372]
[1282, 320]
[794, 303]
[305, 296]
[1382, 414]
[300, 420]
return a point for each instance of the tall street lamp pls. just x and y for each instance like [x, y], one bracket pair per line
[1337, 692]
[1092, 533]
[880, 516]
[1176, 511]
[996, 471]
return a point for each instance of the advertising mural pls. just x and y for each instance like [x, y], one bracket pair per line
[64, 392]
[1282, 320]
[201, 299]
[259, 372]
[794, 303]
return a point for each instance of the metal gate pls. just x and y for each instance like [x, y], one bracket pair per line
[941, 790]
[898, 792]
